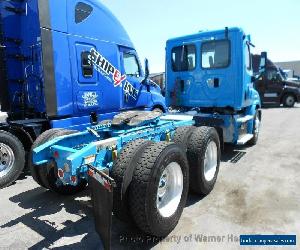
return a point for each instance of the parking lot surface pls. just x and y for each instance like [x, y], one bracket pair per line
[257, 192]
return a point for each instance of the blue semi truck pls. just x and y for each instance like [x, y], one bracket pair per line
[141, 165]
[47, 78]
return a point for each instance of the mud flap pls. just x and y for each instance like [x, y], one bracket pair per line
[101, 186]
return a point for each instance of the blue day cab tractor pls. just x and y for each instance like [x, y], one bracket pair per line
[141, 165]
[274, 87]
[63, 64]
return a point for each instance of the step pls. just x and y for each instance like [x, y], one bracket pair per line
[244, 139]
[245, 118]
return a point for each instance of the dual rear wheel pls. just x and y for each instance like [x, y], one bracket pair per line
[153, 179]
[202, 146]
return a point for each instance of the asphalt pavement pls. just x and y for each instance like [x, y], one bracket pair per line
[257, 192]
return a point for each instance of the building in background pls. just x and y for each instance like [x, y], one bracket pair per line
[294, 66]
[159, 78]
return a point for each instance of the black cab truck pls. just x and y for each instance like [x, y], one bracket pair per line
[273, 86]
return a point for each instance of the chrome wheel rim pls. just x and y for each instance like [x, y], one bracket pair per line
[210, 161]
[290, 100]
[169, 190]
[7, 159]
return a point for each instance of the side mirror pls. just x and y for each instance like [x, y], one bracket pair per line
[263, 62]
[147, 72]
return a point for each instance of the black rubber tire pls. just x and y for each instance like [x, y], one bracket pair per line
[122, 172]
[48, 174]
[182, 136]
[254, 140]
[197, 146]
[144, 185]
[44, 171]
[35, 170]
[19, 153]
[286, 104]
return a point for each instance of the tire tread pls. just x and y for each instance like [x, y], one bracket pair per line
[126, 157]
[196, 151]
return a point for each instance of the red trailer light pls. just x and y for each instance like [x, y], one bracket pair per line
[73, 179]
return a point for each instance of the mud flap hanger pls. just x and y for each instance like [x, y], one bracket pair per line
[101, 186]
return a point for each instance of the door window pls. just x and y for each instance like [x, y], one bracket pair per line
[184, 58]
[272, 75]
[87, 68]
[131, 65]
[215, 54]
[248, 58]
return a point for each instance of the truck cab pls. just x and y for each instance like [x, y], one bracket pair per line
[65, 64]
[211, 73]
[211, 70]
[274, 87]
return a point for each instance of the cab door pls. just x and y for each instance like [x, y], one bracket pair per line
[181, 66]
[260, 86]
[273, 86]
[93, 88]
[135, 93]
[93, 62]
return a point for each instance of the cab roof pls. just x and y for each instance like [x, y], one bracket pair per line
[205, 34]
[90, 19]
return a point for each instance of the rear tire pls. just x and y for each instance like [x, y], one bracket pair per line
[256, 129]
[159, 188]
[35, 170]
[122, 172]
[204, 159]
[182, 136]
[48, 173]
[289, 101]
[12, 158]
[53, 181]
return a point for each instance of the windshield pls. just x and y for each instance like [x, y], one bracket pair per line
[283, 74]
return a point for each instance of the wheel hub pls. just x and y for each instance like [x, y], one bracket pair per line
[290, 100]
[7, 159]
[210, 161]
[162, 189]
[169, 190]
